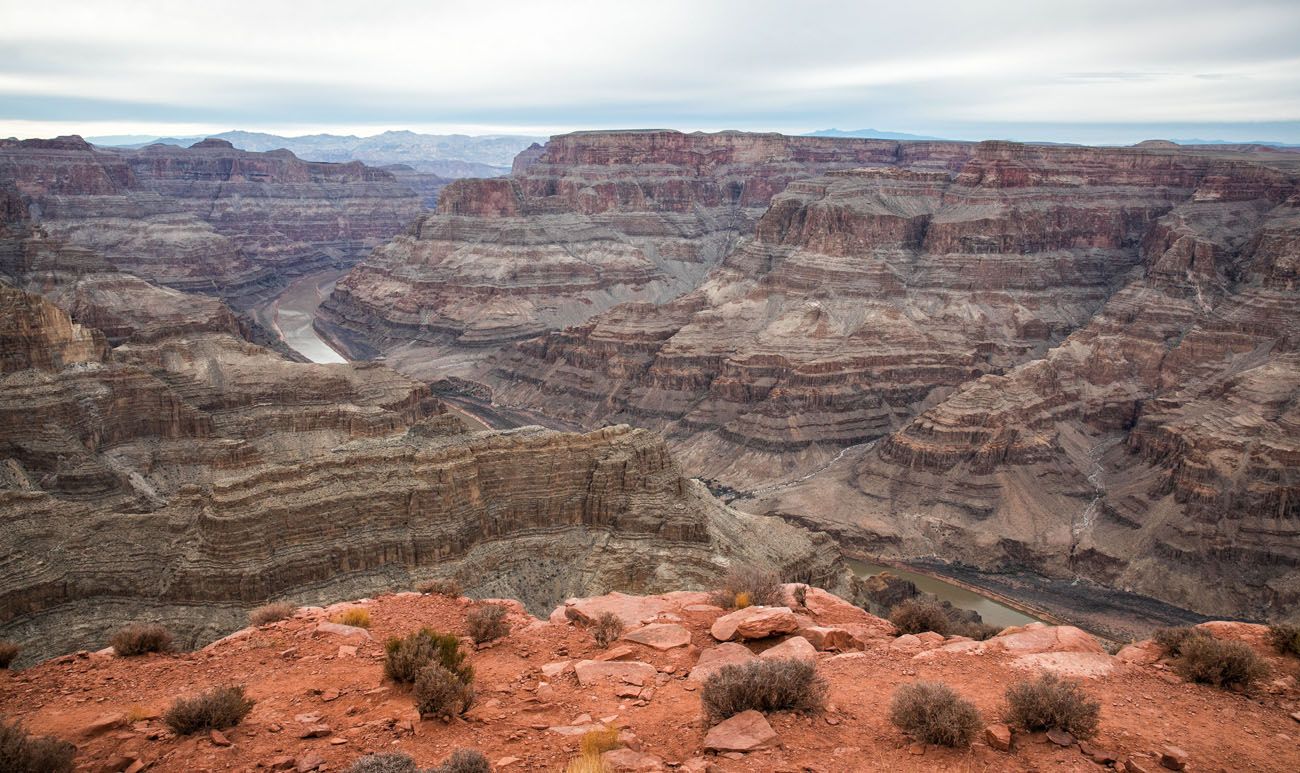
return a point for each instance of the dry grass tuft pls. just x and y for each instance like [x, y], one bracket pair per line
[270, 613]
[358, 617]
[598, 742]
[216, 709]
[140, 638]
[1051, 702]
[607, 628]
[21, 752]
[440, 586]
[764, 685]
[931, 712]
[487, 622]
[587, 763]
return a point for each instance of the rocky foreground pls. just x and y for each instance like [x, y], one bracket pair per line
[322, 701]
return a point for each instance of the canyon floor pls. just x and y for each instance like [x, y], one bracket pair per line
[524, 719]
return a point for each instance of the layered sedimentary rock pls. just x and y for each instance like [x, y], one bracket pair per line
[208, 218]
[591, 220]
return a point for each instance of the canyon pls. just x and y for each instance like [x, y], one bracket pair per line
[1076, 362]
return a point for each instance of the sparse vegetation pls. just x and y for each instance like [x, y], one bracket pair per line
[440, 586]
[270, 613]
[406, 657]
[1284, 638]
[598, 742]
[464, 761]
[21, 752]
[764, 685]
[8, 653]
[801, 596]
[918, 616]
[358, 617]
[389, 762]
[1171, 640]
[440, 693]
[976, 631]
[216, 709]
[1051, 702]
[607, 628]
[1220, 663]
[141, 638]
[487, 622]
[931, 712]
[749, 586]
[587, 763]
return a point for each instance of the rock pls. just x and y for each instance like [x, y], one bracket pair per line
[796, 647]
[998, 736]
[1142, 653]
[698, 765]
[1173, 758]
[219, 738]
[754, 623]
[591, 672]
[629, 761]
[506, 762]
[102, 724]
[617, 653]
[1134, 764]
[831, 638]
[1060, 737]
[308, 762]
[552, 670]
[282, 763]
[338, 629]
[347, 651]
[744, 732]
[714, 658]
[907, 643]
[660, 636]
[314, 731]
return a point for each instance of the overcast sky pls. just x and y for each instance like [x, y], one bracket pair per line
[1095, 71]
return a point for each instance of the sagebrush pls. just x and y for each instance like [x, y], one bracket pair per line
[140, 638]
[460, 761]
[22, 752]
[270, 613]
[215, 709]
[607, 628]
[441, 694]
[1171, 640]
[931, 712]
[487, 622]
[1285, 639]
[405, 657]
[749, 586]
[464, 761]
[919, 615]
[1052, 702]
[440, 586]
[1219, 663]
[764, 685]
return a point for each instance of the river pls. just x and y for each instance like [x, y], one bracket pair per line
[992, 612]
[292, 313]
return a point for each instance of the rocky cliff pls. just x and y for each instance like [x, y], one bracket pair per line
[591, 220]
[208, 218]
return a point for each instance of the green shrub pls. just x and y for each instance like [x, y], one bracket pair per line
[439, 693]
[763, 685]
[749, 586]
[1220, 663]
[440, 586]
[487, 622]
[607, 628]
[931, 712]
[1050, 702]
[8, 653]
[405, 657]
[918, 616]
[140, 638]
[270, 613]
[21, 752]
[1171, 640]
[1284, 638]
[216, 709]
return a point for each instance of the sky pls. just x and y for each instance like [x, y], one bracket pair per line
[1095, 71]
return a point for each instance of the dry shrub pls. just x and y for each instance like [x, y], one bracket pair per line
[487, 622]
[404, 658]
[976, 631]
[358, 617]
[270, 613]
[464, 761]
[440, 586]
[1051, 702]
[390, 762]
[919, 616]
[8, 653]
[1220, 663]
[216, 709]
[1284, 638]
[607, 628]
[801, 596]
[24, 753]
[749, 585]
[598, 742]
[931, 712]
[440, 693]
[139, 638]
[1171, 640]
[587, 763]
[764, 685]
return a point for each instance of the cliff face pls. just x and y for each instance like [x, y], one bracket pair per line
[208, 218]
[591, 220]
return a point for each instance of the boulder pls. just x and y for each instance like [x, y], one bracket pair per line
[796, 647]
[660, 636]
[629, 761]
[998, 737]
[830, 638]
[745, 732]
[1173, 758]
[714, 659]
[754, 623]
[591, 672]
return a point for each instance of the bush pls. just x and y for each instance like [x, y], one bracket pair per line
[918, 616]
[441, 586]
[976, 631]
[270, 613]
[404, 658]
[931, 712]
[1171, 640]
[464, 761]
[139, 638]
[801, 596]
[8, 653]
[358, 617]
[390, 762]
[487, 622]
[440, 693]
[607, 628]
[764, 685]
[24, 753]
[1284, 638]
[1220, 663]
[1050, 702]
[749, 585]
[216, 709]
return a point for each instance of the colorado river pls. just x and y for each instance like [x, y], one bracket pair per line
[292, 313]
[992, 612]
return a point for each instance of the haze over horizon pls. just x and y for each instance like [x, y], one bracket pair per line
[1097, 72]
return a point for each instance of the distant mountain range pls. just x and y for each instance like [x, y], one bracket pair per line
[445, 155]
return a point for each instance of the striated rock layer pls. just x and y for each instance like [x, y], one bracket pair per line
[591, 220]
[208, 218]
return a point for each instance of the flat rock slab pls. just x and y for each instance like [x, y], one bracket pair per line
[714, 659]
[629, 761]
[754, 623]
[796, 647]
[338, 629]
[632, 610]
[660, 636]
[745, 732]
[591, 672]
